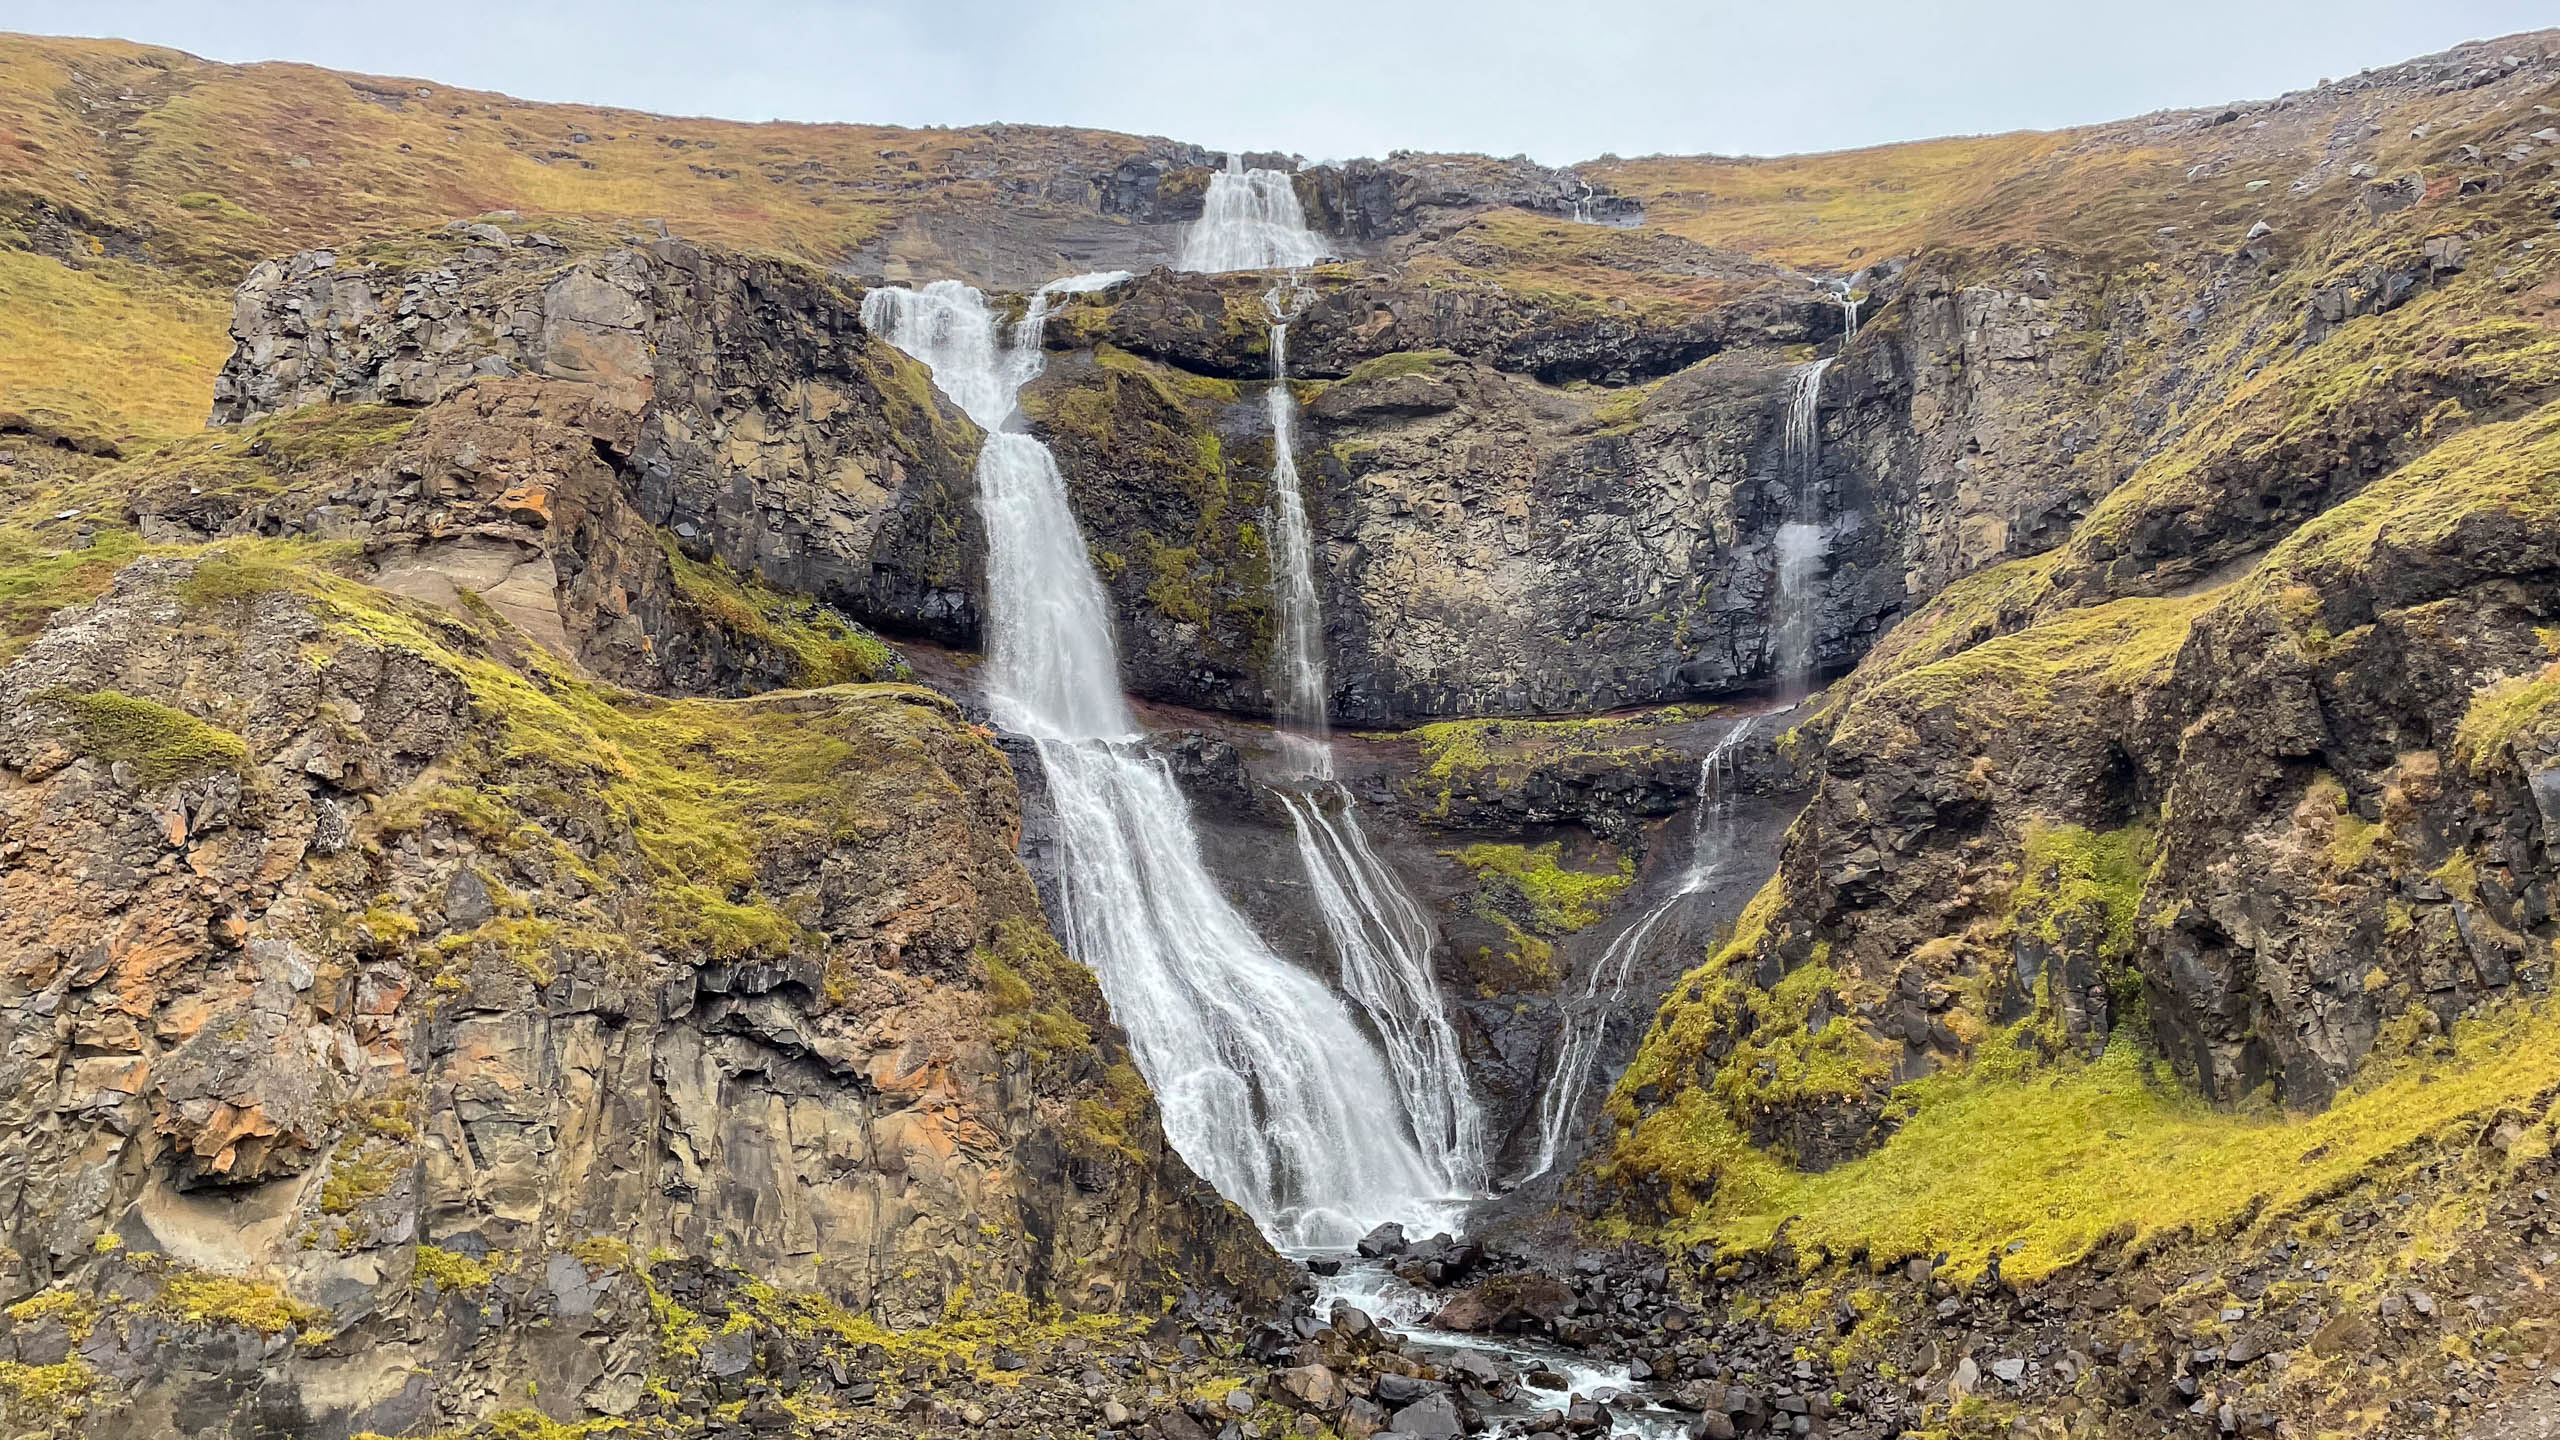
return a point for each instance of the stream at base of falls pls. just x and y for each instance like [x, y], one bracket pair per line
[1545, 1378]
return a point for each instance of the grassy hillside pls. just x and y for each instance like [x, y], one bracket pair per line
[113, 152]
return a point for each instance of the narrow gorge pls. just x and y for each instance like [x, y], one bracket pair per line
[686, 780]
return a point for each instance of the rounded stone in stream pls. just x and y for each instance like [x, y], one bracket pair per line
[1388, 1239]
[1354, 1325]
[1433, 1417]
[1398, 1390]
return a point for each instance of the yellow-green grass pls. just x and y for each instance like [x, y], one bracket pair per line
[44, 508]
[2040, 1165]
[227, 163]
[107, 355]
[821, 647]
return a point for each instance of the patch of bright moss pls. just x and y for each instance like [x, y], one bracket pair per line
[1486, 756]
[1560, 900]
[77, 1313]
[163, 745]
[2058, 1161]
[451, 1272]
[2502, 712]
[821, 646]
[196, 1297]
[1034, 990]
[38, 1392]
[1401, 362]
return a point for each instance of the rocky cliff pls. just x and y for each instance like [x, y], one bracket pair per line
[503, 933]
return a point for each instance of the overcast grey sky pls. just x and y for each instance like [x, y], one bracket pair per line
[1561, 81]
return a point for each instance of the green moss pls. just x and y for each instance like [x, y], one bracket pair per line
[1034, 991]
[820, 646]
[534, 1425]
[450, 1272]
[1154, 431]
[2502, 712]
[163, 745]
[195, 1297]
[1401, 362]
[1485, 758]
[1108, 1125]
[1560, 900]
[958, 1342]
[76, 1312]
[2077, 657]
[38, 1392]
[2040, 1169]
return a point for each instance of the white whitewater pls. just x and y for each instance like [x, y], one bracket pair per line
[1800, 541]
[1383, 943]
[1269, 1087]
[1848, 315]
[1586, 1017]
[1250, 220]
[1381, 940]
[1297, 647]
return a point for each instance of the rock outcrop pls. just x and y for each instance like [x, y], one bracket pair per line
[755, 419]
[363, 957]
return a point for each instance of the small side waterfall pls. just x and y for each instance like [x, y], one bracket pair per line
[1586, 1016]
[1800, 540]
[1848, 315]
[1250, 220]
[1268, 1085]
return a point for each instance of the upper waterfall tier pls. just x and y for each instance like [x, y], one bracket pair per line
[1251, 221]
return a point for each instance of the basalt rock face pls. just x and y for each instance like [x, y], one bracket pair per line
[2222, 734]
[1219, 325]
[377, 982]
[757, 421]
[1369, 201]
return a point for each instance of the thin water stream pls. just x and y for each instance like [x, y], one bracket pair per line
[1585, 1018]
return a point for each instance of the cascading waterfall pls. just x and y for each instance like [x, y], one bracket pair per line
[1250, 220]
[1381, 940]
[1800, 539]
[1297, 650]
[1586, 1017]
[1268, 1085]
[1848, 315]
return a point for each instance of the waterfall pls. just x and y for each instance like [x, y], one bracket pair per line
[1297, 646]
[1383, 942]
[1380, 937]
[1250, 220]
[1848, 315]
[1586, 1017]
[1800, 541]
[1269, 1087]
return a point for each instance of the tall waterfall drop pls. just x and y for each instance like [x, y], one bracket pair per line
[1800, 539]
[1268, 1085]
[1380, 937]
[1586, 1017]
